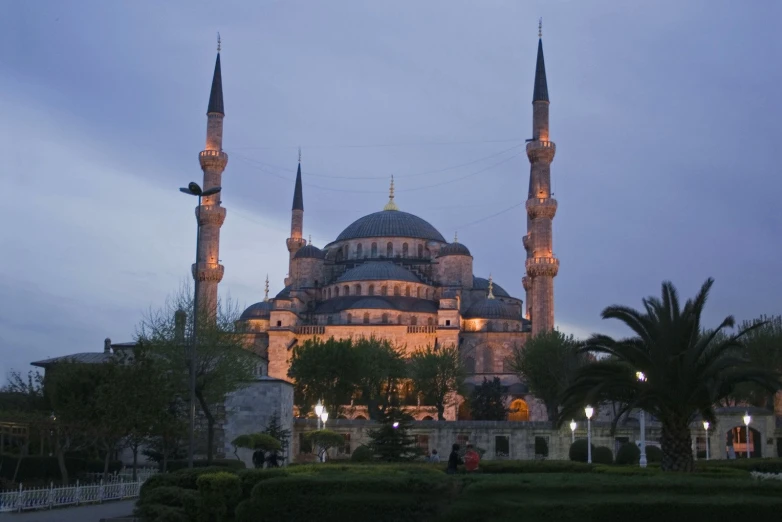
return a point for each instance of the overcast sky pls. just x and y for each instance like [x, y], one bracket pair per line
[666, 117]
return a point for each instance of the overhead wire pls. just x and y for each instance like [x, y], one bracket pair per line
[382, 145]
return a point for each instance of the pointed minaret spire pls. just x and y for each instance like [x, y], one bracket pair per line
[296, 240]
[391, 205]
[298, 199]
[456, 237]
[541, 86]
[491, 288]
[216, 96]
[310, 240]
[266, 290]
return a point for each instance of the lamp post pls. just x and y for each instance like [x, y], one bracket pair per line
[642, 460]
[747, 420]
[589, 410]
[193, 189]
[319, 411]
[706, 429]
[324, 417]
[573, 431]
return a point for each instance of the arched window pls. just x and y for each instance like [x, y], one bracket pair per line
[405, 249]
[488, 360]
[359, 251]
[505, 327]
[489, 326]
[329, 293]
[413, 320]
[469, 365]
[346, 288]
[420, 251]
[427, 293]
[366, 317]
[390, 249]
[371, 290]
[345, 255]
[385, 319]
[397, 290]
[374, 250]
[329, 320]
[384, 290]
[407, 291]
[430, 321]
[336, 291]
[398, 319]
[357, 290]
[518, 411]
[418, 292]
[350, 318]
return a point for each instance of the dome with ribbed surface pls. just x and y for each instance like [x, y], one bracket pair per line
[260, 310]
[309, 252]
[491, 309]
[479, 283]
[378, 271]
[391, 223]
[454, 249]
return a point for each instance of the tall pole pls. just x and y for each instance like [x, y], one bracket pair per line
[747, 440]
[589, 440]
[642, 460]
[706, 429]
[194, 344]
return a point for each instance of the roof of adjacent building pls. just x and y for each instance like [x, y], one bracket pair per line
[216, 95]
[391, 223]
[309, 252]
[260, 310]
[454, 249]
[86, 357]
[383, 302]
[479, 283]
[378, 271]
[491, 309]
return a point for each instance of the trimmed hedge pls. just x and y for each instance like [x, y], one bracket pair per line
[250, 477]
[168, 503]
[35, 468]
[628, 455]
[362, 454]
[534, 466]
[220, 493]
[176, 465]
[654, 454]
[578, 451]
[602, 455]
[761, 465]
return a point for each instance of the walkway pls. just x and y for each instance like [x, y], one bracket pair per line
[89, 513]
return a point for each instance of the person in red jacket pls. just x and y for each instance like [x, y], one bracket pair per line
[471, 459]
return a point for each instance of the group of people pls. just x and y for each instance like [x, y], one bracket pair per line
[470, 460]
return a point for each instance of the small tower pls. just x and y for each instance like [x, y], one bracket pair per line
[296, 241]
[541, 265]
[211, 215]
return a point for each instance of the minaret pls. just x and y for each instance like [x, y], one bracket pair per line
[541, 265]
[296, 241]
[211, 215]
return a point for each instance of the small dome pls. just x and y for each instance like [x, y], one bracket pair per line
[378, 271]
[309, 252]
[260, 310]
[391, 223]
[454, 249]
[479, 283]
[491, 309]
[285, 293]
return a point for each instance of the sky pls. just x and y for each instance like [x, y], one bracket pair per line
[665, 115]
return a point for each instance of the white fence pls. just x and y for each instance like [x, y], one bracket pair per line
[116, 488]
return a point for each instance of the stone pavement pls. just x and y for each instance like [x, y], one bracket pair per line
[90, 513]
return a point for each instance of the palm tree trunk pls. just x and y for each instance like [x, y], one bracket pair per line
[677, 447]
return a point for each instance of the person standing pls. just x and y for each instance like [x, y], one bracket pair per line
[471, 459]
[453, 460]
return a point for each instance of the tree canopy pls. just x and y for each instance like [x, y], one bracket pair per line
[487, 401]
[437, 374]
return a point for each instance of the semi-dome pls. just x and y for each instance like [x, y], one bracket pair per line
[285, 293]
[378, 271]
[479, 283]
[491, 309]
[454, 249]
[309, 252]
[391, 223]
[260, 310]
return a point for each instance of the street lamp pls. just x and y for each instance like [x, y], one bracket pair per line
[573, 431]
[589, 410]
[706, 429]
[194, 190]
[324, 416]
[747, 420]
[642, 460]
[319, 411]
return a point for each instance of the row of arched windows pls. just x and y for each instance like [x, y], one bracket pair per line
[344, 253]
[384, 319]
[398, 290]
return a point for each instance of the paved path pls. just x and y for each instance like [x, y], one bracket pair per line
[91, 513]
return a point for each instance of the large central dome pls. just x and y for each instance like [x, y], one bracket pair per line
[391, 223]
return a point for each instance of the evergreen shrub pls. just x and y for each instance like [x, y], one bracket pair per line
[184, 501]
[578, 451]
[220, 493]
[250, 477]
[176, 465]
[602, 455]
[654, 454]
[629, 454]
[362, 454]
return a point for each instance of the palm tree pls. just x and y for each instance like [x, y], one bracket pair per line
[687, 370]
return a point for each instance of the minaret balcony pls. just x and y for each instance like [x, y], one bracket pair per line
[213, 159]
[210, 215]
[208, 271]
[526, 282]
[542, 266]
[538, 151]
[526, 241]
[541, 208]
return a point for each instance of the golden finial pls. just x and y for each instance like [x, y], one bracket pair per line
[299, 154]
[266, 290]
[456, 237]
[540, 27]
[218, 42]
[491, 288]
[391, 205]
